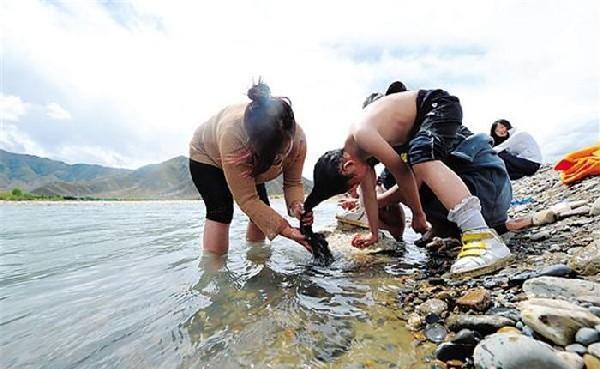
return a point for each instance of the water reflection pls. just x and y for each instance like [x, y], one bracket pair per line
[269, 310]
[120, 285]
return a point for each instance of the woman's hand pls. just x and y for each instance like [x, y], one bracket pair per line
[348, 203]
[419, 223]
[295, 235]
[362, 241]
[297, 210]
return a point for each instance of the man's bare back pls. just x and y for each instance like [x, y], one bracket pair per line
[392, 116]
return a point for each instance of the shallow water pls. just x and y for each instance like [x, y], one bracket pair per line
[125, 285]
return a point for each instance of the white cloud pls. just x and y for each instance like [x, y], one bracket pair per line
[162, 68]
[12, 108]
[57, 112]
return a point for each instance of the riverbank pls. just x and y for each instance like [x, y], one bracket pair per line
[542, 311]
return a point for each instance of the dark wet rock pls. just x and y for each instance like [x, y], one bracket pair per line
[510, 351]
[436, 281]
[432, 318]
[587, 336]
[556, 320]
[520, 278]
[541, 235]
[435, 332]
[563, 288]
[587, 260]
[558, 270]
[512, 314]
[594, 310]
[576, 348]
[484, 324]
[594, 349]
[452, 351]
[467, 337]
[477, 299]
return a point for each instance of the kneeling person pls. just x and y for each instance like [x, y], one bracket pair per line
[428, 121]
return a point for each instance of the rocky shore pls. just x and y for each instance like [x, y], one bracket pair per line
[540, 312]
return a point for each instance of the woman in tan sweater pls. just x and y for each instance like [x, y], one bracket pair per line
[234, 153]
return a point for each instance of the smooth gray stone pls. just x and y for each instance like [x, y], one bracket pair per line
[511, 351]
[484, 324]
[435, 332]
[576, 348]
[587, 336]
[594, 349]
[563, 288]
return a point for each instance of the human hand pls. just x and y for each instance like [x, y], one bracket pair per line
[295, 235]
[348, 203]
[297, 211]
[363, 241]
[419, 223]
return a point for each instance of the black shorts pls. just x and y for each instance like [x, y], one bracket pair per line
[212, 186]
[439, 119]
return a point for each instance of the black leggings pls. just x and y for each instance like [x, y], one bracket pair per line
[518, 167]
[212, 186]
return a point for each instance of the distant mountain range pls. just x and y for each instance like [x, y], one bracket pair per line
[169, 180]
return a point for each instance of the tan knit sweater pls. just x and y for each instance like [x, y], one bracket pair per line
[223, 135]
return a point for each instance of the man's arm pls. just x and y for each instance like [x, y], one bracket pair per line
[370, 141]
[367, 189]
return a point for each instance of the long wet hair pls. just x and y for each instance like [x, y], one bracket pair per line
[269, 122]
[497, 139]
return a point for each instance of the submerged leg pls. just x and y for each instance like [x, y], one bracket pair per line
[253, 233]
[216, 237]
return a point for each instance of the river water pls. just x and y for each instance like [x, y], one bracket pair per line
[125, 285]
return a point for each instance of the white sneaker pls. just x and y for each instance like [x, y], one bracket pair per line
[356, 217]
[483, 252]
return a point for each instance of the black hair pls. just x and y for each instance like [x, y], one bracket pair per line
[497, 139]
[396, 86]
[269, 122]
[328, 179]
[371, 98]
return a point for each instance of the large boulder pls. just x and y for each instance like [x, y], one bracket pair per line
[556, 320]
[563, 288]
[512, 351]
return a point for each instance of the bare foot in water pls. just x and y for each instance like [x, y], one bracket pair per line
[517, 224]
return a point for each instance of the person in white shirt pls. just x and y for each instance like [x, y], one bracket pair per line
[518, 149]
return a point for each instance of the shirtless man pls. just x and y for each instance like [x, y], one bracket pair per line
[428, 120]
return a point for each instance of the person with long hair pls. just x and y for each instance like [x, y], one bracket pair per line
[234, 153]
[429, 122]
[518, 149]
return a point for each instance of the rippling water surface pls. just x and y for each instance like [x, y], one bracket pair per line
[125, 285]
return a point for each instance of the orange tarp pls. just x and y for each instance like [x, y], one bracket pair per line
[579, 164]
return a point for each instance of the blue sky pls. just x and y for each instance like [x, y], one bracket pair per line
[125, 83]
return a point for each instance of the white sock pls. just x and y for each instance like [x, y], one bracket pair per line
[467, 215]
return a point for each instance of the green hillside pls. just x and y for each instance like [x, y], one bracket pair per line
[30, 172]
[168, 180]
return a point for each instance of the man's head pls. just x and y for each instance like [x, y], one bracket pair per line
[396, 86]
[335, 173]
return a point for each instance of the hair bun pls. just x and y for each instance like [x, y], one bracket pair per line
[259, 93]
